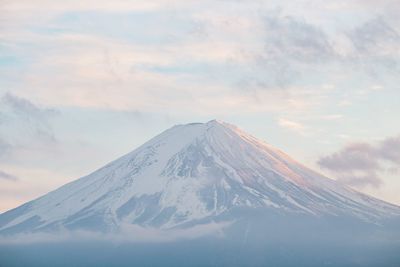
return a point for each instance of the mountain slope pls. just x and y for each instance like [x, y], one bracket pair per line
[192, 174]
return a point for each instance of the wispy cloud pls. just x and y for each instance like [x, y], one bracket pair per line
[292, 125]
[295, 40]
[376, 45]
[188, 53]
[7, 176]
[375, 36]
[24, 123]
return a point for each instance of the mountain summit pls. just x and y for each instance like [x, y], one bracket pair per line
[188, 175]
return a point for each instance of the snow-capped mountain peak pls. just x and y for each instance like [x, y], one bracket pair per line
[190, 174]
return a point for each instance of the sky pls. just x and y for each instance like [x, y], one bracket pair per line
[84, 82]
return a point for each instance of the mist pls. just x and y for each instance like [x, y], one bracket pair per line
[257, 240]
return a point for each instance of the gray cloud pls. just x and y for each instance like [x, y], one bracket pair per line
[17, 110]
[389, 149]
[296, 39]
[291, 47]
[7, 176]
[4, 147]
[295, 48]
[376, 44]
[359, 156]
[374, 35]
[24, 125]
[362, 164]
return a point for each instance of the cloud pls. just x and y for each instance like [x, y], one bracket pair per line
[358, 156]
[376, 44]
[109, 53]
[292, 125]
[142, 78]
[362, 164]
[7, 176]
[128, 233]
[389, 149]
[74, 5]
[295, 39]
[18, 111]
[291, 46]
[98, 55]
[24, 126]
[25, 108]
[4, 146]
[374, 36]
[331, 117]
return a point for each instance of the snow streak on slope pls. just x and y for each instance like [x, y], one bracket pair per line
[191, 174]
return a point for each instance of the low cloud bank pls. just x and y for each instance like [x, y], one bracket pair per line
[128, 233]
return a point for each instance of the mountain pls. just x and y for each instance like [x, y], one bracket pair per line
[189, 175]
[202, 194]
